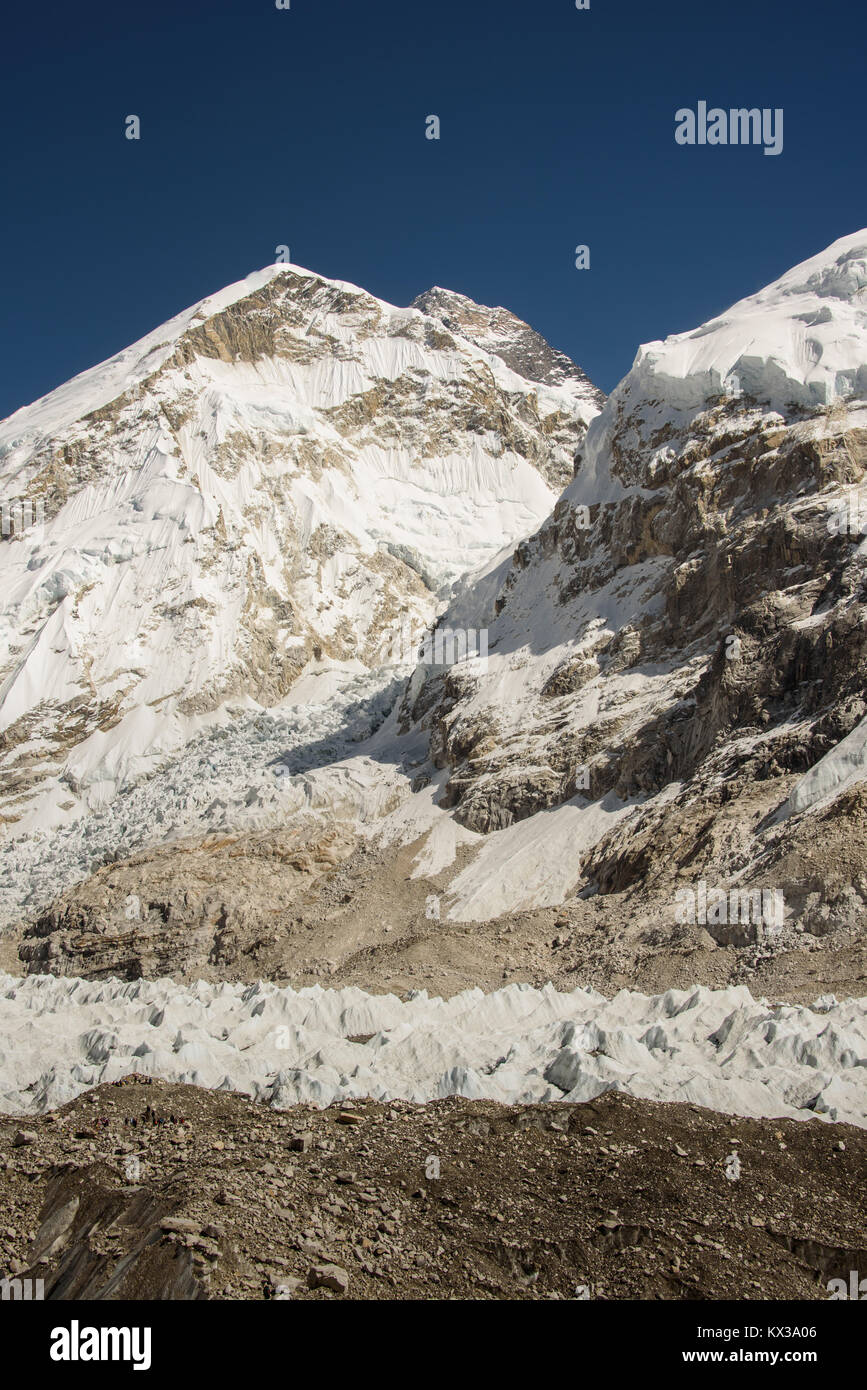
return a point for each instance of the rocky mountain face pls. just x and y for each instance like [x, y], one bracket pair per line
[302, 919]
[256, 494]
[684, 638]
[672, 703]
[501, 333]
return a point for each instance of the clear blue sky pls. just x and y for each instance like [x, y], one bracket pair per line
[306, 127]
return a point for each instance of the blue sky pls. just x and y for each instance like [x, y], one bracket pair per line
[306, 127]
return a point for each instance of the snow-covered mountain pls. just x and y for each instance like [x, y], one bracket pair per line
[687, 630]
[674, 686]
[253, 496]
[685, 636]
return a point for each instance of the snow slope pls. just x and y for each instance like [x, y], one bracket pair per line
[799, 341]
[841, 768]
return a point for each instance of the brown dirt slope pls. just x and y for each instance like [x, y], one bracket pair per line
[616, 1199]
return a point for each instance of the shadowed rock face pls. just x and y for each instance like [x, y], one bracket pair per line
[100, 1242]
[692, 592]
[503, 333]
[701, 632]
[729, 557]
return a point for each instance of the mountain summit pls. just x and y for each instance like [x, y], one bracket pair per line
[259, 490]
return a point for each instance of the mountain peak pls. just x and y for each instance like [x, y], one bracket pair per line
[797, 343]
[252, 494]
[502, 333]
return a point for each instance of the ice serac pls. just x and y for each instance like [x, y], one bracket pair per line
[716, 1048]
[685, 636]
[238, 510]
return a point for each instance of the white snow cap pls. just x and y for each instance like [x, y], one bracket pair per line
[99, 385]
[800, 341]
[799, 344]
